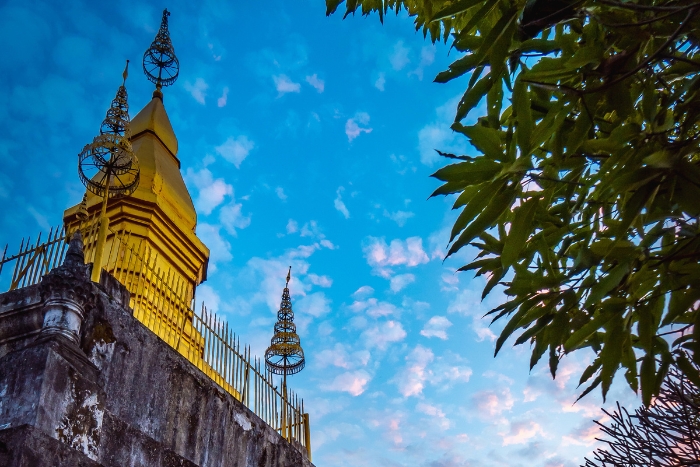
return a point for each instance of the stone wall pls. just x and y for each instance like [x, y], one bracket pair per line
[112, 393]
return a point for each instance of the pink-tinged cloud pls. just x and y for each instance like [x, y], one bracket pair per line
[339, 356]
[285, 85]
[380, 336]
[353, 128]
[436, 327]
[413, 377]
[491, 403]
[352, 382]
[521, 432]
[436, 413]
[585, 435]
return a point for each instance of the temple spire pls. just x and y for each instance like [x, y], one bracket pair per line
[117, 120]
[160, 64]
[108, 167]
[285, 355]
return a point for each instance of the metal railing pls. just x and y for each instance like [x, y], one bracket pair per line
[163, 301]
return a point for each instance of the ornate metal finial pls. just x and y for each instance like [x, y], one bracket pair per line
[109, 163]
[108, 166]
[159, 62]
[285, 355]
[117, 119]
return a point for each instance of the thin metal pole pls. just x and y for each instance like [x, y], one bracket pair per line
[102, 235]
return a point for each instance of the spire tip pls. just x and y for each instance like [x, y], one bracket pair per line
[126, 73]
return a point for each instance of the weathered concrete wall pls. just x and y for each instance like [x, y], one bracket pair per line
[118, 397]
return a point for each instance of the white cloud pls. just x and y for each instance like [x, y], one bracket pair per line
[285, 85]
[235, 149]
[436, 327]
[232, 218]
[208, 296]
[321, 281]
[353, 128]
[439, 135]
[224, 97]
[317, 83]
[292, 226]
[315, 304]
[399, 56]
[435, 413]
[352, 382]
[339, 204]
[427, 57]
[397, 283]
[468, 303]
[381, 81]
[364, 291]
[408, 253]
[400, 217]
[211, 191]
[279, 191]
[325, 243]
[380, 336]
[198, 90]
[373, 307]
[412, 378]
[39, 218]
[220, 249]
[339, 356]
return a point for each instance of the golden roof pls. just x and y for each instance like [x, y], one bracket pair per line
[154, 119]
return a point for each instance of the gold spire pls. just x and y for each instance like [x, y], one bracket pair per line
[160, 64]
[159, 214]
[108, 166]
[285, 355]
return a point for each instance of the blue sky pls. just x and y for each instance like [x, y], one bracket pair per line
[304, 141]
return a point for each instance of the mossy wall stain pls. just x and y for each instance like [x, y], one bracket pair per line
[81, 425]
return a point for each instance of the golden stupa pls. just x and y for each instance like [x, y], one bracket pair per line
[150, 244]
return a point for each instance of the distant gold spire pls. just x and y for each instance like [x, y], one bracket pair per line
[285, 356]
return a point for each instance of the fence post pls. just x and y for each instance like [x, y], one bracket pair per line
[307, 435]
